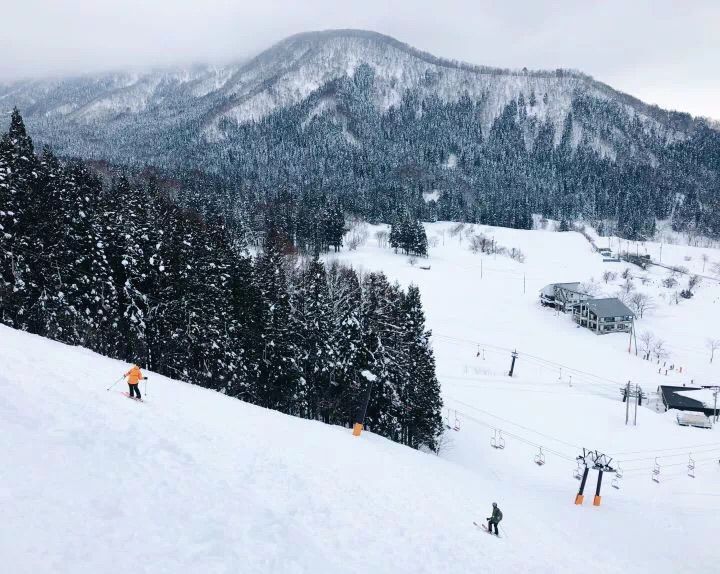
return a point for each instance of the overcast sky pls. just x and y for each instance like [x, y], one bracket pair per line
[662, 51]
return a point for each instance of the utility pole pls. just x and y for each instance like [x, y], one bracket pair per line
[627, 402]
[715, 394]
[637, 399]
[523, 283]
[512, 365]
[481, 271]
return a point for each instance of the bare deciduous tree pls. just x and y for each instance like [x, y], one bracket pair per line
[357, 236]
[590, 287]
[693, 282]
[640, 303]
[479, 243]
[609, 276]
[659, 349]
[382, 238]
[647, 343]
[628, 285]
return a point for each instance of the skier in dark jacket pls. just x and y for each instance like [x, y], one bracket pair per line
[495, 519]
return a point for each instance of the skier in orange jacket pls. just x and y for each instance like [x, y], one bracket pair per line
[134, 376]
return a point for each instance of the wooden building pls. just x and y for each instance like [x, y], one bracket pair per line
[603, 316]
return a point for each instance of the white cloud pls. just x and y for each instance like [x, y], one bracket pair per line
[661, 51]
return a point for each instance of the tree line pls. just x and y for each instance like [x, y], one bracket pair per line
[112, 263]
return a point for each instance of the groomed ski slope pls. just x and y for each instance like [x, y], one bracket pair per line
[192, 481]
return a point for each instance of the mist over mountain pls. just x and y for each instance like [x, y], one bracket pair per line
[363, 121]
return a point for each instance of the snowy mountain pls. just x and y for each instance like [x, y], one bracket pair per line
[290, 71]
[354, 114]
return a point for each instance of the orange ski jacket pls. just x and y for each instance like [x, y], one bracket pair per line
[134, 375]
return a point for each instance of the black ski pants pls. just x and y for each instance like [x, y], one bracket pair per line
[135, 390]
[492, 523]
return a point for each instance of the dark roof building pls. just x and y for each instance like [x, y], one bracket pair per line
[672, 400]
[603, 316]
[611, 307]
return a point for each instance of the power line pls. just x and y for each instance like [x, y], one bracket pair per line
[685, 448]
[516, 437]
[574, 446]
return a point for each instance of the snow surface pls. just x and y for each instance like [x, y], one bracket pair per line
[192, 481]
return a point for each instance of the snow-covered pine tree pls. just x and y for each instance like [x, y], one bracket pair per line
[422, 422]
[315, 355]
[19, 266]
[278, 382]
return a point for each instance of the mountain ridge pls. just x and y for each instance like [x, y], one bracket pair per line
[313, 108]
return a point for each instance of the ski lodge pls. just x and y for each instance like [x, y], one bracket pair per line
[603, 316]
[562, 296]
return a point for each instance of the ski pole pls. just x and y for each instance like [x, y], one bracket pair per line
[115, 383]
[146, 386]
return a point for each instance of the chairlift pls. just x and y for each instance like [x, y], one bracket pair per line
[456, 424]
[615, 483]
[447, 419]
[656, 472]
[497, 440]
[578, 472]
[618, 472]
[691, 466]
[540, 458]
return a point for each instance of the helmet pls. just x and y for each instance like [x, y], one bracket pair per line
[494, 503]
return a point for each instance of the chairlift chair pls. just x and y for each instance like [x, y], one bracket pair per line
[497, 440]
[656, 472]
[456, 424]
[540, 458]
[691, 466]
[578, 472]
[447, 419]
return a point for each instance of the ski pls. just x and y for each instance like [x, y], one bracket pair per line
[129, 397]
[484, 528]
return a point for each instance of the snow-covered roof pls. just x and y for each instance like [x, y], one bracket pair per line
[550, 289]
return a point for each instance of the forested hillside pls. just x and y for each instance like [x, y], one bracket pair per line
[356, 122]
[115, 266]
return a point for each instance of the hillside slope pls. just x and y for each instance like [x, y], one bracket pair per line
[192, 481]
